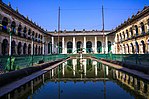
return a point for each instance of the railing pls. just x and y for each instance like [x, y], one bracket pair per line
[141, 59]
[8, 63]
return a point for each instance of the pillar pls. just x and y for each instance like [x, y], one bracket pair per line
[63, 45]
[74, 45]
[84, 44]
[32, 48]
[74, 65]
[63, 69]
[106, 44]
[52, 44]
[43, 46]
[95, 44]
[107, 70]
[84, 64]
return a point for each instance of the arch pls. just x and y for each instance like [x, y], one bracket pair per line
[33, 35]
[121, 51]
[99, 46]
[117, 37]
[136, 29]
[124, 49]
[19, 48]
[29, 49]
[120, 37]
[89, 46]
[123, 35]
[69, 47]
[143, 46]
[132, 48]
[142, 27]
[24, 32]
[60, 47]
[39, 50]
[79, 46]
[24, 48]
[13, 46]
[4, 23]
[13, 27]
[36, 35]
[137, 47]
[19, 29]
[127, 48]
[5, 47]
[29, 34]
[109, 46]
[36, 50]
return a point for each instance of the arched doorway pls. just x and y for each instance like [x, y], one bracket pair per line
[50, 47]
[19, 30]
[109, 46]
[79, 46]
[5, 47]
[24, 48]
[127, 48]
[132, 48]
[89, 47]
[38, 50]
[69, 47]
[13, 46]
[4, 23]
[142, 28]
[143, 46]
[60, 47]
[19, 48]
[136, 29]
[29, 49]
[137, 47]
[99, 47]
[24, 32]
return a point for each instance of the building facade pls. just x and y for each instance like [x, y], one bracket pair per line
[21, 36]
[132, 36]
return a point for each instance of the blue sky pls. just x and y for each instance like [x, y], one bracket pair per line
[78, 14]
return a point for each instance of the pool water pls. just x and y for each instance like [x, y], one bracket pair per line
[88, 79]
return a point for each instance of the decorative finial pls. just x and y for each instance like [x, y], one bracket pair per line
[17, 9]
[9, 4]
[26, 17]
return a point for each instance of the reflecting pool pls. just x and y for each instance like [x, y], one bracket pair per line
[89, 79]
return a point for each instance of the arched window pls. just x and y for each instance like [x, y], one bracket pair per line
[142, 28]
[89, 47]
[79, 46]
[36, 50]
[69, 47]
[117, 38]
[127, 48]
[120, 37]
[24, 48]
[131, 31]
[19, 30]
[24, 32]
[4, 23]
[99, 47]
[109, 46]
[13, 46]
[33, 35]
[29, 49]
[136, 29]
[19, 48]
[36, 37]
[41, 50]
[13, 27]
[143, 46]
[127, 33]
[5, 47]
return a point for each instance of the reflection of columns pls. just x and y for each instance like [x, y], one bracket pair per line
[84, 44]
[74, 65]
[84, 64]
[52, 72]
[95, 44]
[52, 44]
[95, 65]
[106, 44]
[63, 45]
[63, 69]
[107, 70]
[74, 45]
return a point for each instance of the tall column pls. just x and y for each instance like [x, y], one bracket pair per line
[32, 48]
[84, 44]
[106, 43]
[84, 64]
[74, 45]
[63, 45]
[52, 44]
[95, 44]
